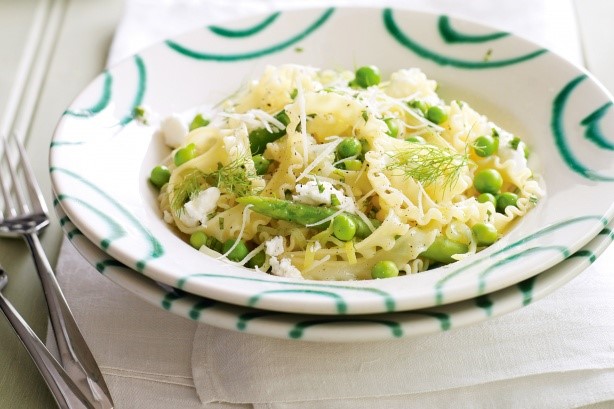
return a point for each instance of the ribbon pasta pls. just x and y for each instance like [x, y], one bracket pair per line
[350, 175]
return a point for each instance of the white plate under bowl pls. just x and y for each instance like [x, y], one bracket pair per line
[100, 157]
[336, 328]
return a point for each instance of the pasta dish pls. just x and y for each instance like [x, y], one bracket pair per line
[342, 175]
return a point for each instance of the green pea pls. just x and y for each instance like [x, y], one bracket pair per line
[367, 76]
[506, 199]
[257, 261]
[488, 181]
[198, 122]
[436, 114]
[215, 244]
[344, 228]
[238, 253]
[160, 175]
[185, 154]
[443, 249]
[283, 117]
[485, 233]
[393, 127]
[421, 106]
[485, 145]
[349, 147]
[261, 164]
[416, 139]
[384, 269]
[487, 197]
[352, 164]
[198, 239]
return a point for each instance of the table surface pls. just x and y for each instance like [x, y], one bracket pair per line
[76, 36]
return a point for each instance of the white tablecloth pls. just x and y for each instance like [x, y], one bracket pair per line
[556, 353]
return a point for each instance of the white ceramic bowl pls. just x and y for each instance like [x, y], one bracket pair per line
[338, 328]
[100, 157]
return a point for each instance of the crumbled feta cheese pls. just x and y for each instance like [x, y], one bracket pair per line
[316, 246]
[284, 268]
[507, 153]
[198, 208]
[174, 130]
[319, 192]
[275, 246]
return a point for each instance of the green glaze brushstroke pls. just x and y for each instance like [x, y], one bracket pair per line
[485, 303]
[244, 319]
[156, 247]
[116, 230]
[101, 266]
[563, 251]
[339, 302]
[560, 137]
[141, 87]
[102, 103]
[299, 329]
[252, 54]
[389, 302]
[170, 297]
[245, 32]
[199, 307]
[585, 254]
[396, 32]
[450, 35]
[526, 289]
[593, 129]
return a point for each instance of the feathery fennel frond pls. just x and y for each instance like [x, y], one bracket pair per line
[232, 178]
[428, 164]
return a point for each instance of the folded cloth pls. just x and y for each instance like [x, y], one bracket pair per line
[557, 353]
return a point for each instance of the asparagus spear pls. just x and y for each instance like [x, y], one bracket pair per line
[301, 213]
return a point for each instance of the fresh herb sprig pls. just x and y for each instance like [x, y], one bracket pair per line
[427, 164]
[233, 178]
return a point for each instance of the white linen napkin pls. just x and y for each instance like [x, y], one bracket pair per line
[557, 353]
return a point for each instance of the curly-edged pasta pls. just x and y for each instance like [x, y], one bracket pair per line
[338, 175]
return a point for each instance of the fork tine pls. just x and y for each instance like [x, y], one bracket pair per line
[9, 207]
[21, 200]
[36, 196]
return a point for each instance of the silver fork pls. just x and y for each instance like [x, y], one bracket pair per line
[66, 394]
[26, 217]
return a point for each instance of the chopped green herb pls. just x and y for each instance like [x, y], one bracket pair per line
[140, 114]
[488, 54]
[198, 122]
[515, 142]
[365, 116]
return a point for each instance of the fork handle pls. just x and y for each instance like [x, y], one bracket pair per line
[65, 392]
[75, 355]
